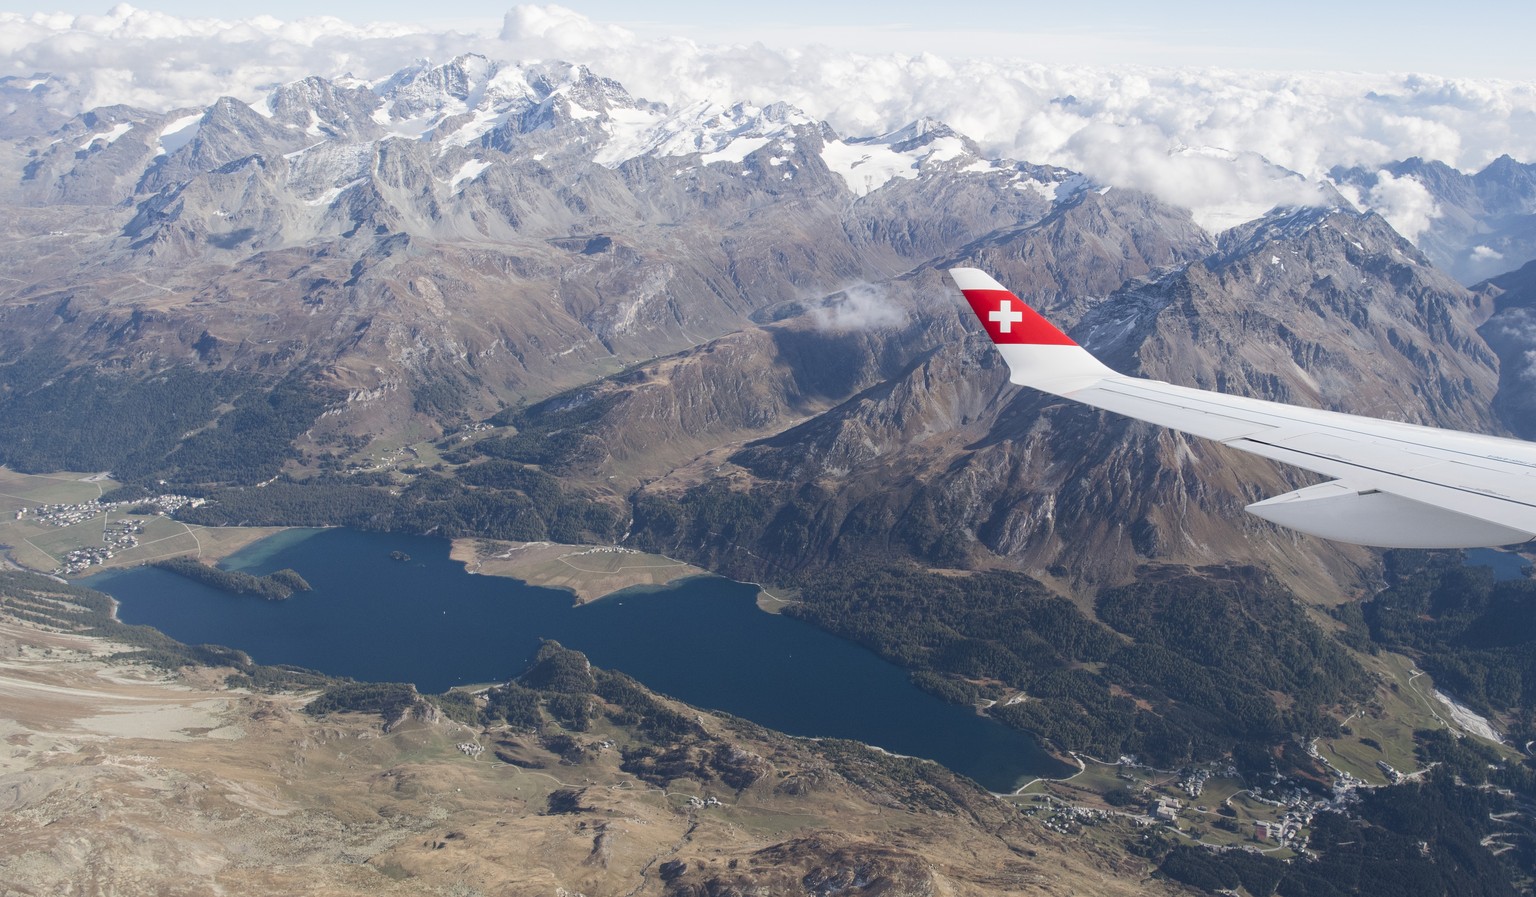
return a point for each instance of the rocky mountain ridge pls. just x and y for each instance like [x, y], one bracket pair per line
[514, 230]
[462, 238]
[1478, 224]
[1320, 307]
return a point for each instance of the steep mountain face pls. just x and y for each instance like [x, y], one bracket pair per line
[1326, 307]
[1511, 332]
[1480, 225]
[811, 355]
[1087, 248]
[30, 106]
[1319, 306]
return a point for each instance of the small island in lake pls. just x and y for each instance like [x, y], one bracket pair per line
[275, 586]
[398, 555]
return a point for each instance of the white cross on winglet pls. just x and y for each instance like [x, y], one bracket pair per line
[1005, 317]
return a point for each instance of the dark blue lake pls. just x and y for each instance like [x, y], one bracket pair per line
[1505, 564]
[704, 641]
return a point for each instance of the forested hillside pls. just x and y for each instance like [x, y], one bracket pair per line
[1192, 664]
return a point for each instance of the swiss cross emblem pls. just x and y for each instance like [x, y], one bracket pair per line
[1006, 316]
[1011, 322]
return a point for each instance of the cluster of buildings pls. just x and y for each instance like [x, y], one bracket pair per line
[1065, 819]
[80, 558]
[115, 537]
[1294, 808]
[1285, 831]
[119, 535]
[469, 431]
[80, 512]
[122, 534]
[171, 503]
[1299, 806]
[606, 549]
[1194, 785]
[64, 515]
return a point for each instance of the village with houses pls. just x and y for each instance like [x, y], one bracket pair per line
[1208, 805]
[117, 535]
[80, 512]
[70, 524]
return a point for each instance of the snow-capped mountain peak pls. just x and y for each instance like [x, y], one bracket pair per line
[867, 164]
[719, 133]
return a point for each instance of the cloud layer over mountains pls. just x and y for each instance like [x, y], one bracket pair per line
[1203, 138]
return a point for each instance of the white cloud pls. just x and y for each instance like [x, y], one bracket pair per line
[160, 61]
[1404, 202]
[860, 307]
[1486, 254]
[1128, 126]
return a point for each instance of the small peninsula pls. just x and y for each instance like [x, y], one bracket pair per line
[276, 586]
[589, 571]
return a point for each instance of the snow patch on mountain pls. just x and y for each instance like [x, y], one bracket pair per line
[459, 102]
[481, 122]
[1053, 189]
[717, 132]
[867, 165]
[109, 136]
[466, 173]
[180, 132]
[325, 199]
[736, 151]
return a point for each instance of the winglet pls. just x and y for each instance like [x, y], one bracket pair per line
[1007, 320]
[1037, 352]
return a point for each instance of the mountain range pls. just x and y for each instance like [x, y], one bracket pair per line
[515, 301]
[757, 300]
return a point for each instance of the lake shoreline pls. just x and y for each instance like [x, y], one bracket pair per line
[703, 639]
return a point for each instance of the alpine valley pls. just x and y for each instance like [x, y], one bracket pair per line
[513, 302]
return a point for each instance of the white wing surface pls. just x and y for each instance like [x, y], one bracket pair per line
[1395, 485]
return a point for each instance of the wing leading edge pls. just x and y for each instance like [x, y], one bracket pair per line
[1395, 485]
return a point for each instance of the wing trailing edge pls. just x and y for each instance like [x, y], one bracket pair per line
[1336, 510]
[1395, 485]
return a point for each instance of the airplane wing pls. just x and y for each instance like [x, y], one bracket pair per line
[1394, 485]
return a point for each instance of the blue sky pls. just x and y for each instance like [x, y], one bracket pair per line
[1478, 39]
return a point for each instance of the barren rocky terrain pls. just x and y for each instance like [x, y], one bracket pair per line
[121, 779]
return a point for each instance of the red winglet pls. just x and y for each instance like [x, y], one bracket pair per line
[1010, 321]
